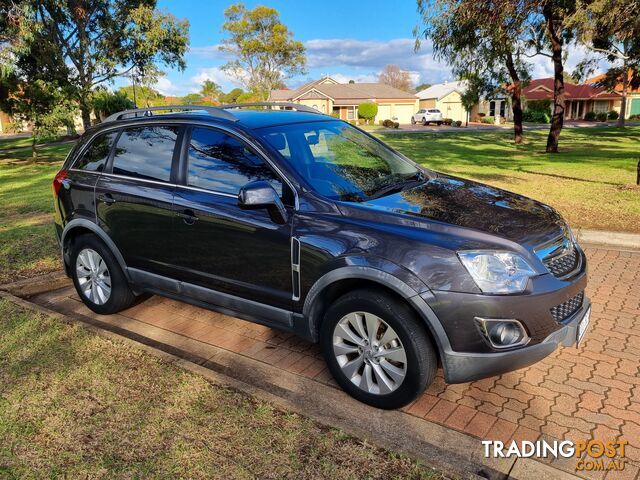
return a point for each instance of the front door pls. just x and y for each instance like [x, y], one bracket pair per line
[219, 245]
[134, 197]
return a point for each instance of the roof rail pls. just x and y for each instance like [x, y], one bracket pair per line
[146, 112]
[286, 105]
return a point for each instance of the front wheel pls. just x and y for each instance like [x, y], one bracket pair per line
[413, 121]
[424, 122]
[377, 350]
[439, 123]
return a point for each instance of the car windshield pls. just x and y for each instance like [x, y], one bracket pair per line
[340, 162]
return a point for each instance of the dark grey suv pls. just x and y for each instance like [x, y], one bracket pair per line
[299, 221]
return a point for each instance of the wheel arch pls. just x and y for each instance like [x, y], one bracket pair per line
[342, 280]
[82, 226]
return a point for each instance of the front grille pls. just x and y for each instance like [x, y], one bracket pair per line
[566, 309]
[564, 263]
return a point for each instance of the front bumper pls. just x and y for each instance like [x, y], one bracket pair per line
[460, 367]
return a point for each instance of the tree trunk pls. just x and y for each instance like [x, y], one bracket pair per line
[559, 104]
[516, 99]
[623, 103]
[86, 115]
[34, 151]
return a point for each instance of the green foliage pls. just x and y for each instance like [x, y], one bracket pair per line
[613, 115]
[601, 117]
[361, 121]
[191, 98]
[396, 125]
[231, 96]
[543, 105]
[457, 123]
[262, 48]
[144, 96]
[488, 119]
[89, 43]
[536, 116]
[106, 103]
[590, 116]
[211, 89]
[387, 123]
[45, 106]
[422, 86]
[368, 110]
[248, 97]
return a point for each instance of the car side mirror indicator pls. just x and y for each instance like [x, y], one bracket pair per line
[261, 194]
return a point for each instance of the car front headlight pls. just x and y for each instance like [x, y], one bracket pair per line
[497, 272]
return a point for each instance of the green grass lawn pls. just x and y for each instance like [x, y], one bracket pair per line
[591, 182]
[75, 405]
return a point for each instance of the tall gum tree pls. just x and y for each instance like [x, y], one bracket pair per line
[483, 41]
[262, 49]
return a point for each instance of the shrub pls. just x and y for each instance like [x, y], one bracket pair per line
[490, 120]
[396, 124]
[457, 123]
[613, 115]
[601, 117]
[368, 110]
[335, 114]
[381, 122]
[635, 116]
[353, 122]
[481, 114]
[361, 121]
[106, 103]
[590, 116]
[543, 106]
[388, 123]
[535, 116]
[447, 121]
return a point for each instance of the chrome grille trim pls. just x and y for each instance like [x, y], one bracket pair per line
[561, 257]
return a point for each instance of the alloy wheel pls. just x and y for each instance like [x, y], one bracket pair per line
[369, 353]
[93, 276]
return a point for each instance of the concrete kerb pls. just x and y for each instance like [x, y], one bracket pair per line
[609, 239]
[447, 450]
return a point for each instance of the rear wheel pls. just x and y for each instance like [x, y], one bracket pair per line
[439, 123]
[97, 276]
[377, 350]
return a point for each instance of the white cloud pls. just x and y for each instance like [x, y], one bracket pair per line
[372, 56]
[167, 87]
[215, 74]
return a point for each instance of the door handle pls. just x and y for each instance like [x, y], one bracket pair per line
[188, 216]
[106, 198]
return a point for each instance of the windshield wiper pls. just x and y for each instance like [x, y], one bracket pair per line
[398, 187]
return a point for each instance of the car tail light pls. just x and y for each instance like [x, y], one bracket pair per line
[58, 181]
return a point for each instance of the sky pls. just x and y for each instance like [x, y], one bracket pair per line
[345, 39]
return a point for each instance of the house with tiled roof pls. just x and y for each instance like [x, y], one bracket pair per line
[342, 99]
[580, 98]
[633, 94]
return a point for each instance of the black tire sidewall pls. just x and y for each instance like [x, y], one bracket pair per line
[121, 295]
[421, 357]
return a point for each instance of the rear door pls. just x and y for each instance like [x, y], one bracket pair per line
[134, 196]
[219, 245]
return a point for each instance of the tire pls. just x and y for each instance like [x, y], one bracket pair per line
[439, 123]
[424, 122]
[87, 251]
[413, 121]
[349, 364]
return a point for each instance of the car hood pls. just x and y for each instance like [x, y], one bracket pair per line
[477, 206]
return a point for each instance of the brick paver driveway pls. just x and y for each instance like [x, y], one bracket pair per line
[579, 393]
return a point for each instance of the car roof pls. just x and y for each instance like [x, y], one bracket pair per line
[247, 118]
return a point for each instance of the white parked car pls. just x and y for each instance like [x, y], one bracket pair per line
[427, 116]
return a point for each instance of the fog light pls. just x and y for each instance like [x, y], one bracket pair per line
[503, 333]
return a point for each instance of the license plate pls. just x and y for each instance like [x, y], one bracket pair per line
[582, 326]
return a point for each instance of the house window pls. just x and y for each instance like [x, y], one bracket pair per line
[601, 106]
[351, 113]
[492, 108]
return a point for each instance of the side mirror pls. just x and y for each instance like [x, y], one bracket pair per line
[261, 194]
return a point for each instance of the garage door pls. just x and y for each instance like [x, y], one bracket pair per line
[635, 107]
[384, 113]
[403, 112]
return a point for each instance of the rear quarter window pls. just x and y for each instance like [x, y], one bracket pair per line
[146, 152]
[95, 156]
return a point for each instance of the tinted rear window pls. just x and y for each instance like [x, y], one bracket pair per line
[146, 152]
[95, 157]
